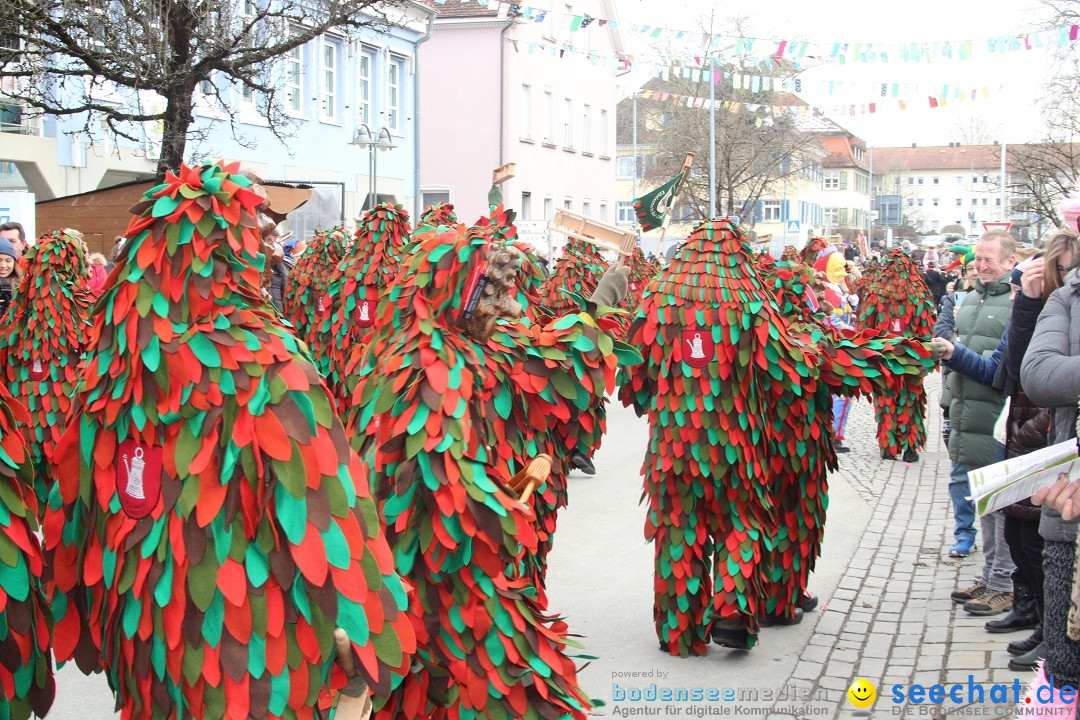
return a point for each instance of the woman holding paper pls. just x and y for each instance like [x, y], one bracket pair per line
[1051, 377]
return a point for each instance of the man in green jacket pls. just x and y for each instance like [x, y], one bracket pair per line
[982, 319]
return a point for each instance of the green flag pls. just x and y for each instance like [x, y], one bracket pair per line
[652, 208]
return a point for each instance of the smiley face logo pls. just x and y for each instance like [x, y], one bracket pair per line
[862, 693]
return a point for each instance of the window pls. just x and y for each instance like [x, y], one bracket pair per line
[526, 205]
[936, 202]
[832, 181]
[586, 128]
[568, 124]
[959, 179]
[549, 209]
[549, 117]
[986, 178]
[586, 208]
[910, 202]
[603, 132]
[830, 216]
[363, 87]
[247, 96]
[206, 87]
[959, 202]
[935, 225]
[329, 80]
[771, 211]
[984, 202]
[568, 204]
[293, 79]
[919, 202]
[998, 202]
[624, 167]
[937, 180]
[526, 111]
[911, 181]
[249, 8]
[603, 212]
[395, 73]
[624, 212]
[430, 197]
[974, 179]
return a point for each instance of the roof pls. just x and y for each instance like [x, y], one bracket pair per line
[840, 154]
[461, 9]
[936, 157]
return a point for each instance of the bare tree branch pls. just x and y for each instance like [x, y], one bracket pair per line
[65, 57]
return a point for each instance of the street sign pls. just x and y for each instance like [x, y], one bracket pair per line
[792, 227]
[991, 226]
[873, 215]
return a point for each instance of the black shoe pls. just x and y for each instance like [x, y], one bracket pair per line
[1012, 622]
[736, 639]
[840, 447]
[1028, 660]
[1020, 647]
[770, 620]
[886, 455]
[582, 463]
[911, 456]
[808, 601]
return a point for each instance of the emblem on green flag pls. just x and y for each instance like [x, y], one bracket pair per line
[652, 208]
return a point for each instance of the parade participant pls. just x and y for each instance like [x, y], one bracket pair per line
[737, 392]
[841, 316]
[42, 344]
[896, 301]
[704, 325]
[210, 525]
[642, 270]
[304, 302]
[25, 622]
[578, 270]
[361, 276]
[459, 533]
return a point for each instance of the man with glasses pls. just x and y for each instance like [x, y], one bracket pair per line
[982, 319]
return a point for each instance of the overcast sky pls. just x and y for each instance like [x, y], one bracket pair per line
[1014, 84]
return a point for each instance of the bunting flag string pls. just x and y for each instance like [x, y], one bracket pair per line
[797, 50]
[696, 70]
[802, 110]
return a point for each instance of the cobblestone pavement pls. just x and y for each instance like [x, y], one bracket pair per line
[891, 620]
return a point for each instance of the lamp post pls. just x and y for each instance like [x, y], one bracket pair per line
[365, 138]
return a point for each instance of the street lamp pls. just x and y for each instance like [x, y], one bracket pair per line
[365, 138]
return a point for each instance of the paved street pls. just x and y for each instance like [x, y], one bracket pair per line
[883, 581]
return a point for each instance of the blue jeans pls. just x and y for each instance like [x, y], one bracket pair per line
[841, 408]
[963, 509]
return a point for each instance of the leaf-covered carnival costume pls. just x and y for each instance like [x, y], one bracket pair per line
[436, 215]
[210, 525]
[707, 329]
[42, 341]
[847, 364]
[26, 678]
[459, 535]
[642, 270]
[304, 301]
[577, 270]
[359, 279]
[738, 405]
[896, 301]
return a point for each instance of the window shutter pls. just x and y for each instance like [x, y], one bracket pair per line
[843, 216]
[785, 210]
[843, 180]
[758, 211]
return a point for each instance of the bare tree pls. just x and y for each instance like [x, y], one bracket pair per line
[974, 130]
[59, 57]
[1042, 174]
[757, 146]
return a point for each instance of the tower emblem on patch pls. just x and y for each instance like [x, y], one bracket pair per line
[365, 312]
[138, 478]
[895, 326]
[697, 348]
[37, 370]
